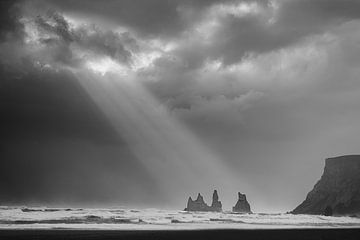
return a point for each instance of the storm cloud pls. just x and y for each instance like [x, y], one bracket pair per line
[271, 86]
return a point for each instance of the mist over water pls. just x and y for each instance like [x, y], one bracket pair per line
[172, 155]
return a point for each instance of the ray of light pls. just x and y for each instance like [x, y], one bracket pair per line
[179, 162]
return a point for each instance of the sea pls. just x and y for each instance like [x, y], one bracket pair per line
[157, 219]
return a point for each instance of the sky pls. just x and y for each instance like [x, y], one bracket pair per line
[144, 103]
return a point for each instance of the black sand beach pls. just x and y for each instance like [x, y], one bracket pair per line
[313, 234]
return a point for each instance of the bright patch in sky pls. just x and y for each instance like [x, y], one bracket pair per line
[143, 60]
[237, 10]
[105, 65]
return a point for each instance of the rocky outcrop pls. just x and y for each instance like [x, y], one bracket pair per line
[197, 205]
[216, 204]
[338, 190]
[200, 205]
[242, 205]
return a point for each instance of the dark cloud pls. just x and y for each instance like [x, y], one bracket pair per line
[319, 12]
[149, 18]
[278, 24]
[106, 43]
[63, 40]
[237, 38]
[9, 19]
[240, 36]
[273, 28]
[55, 24]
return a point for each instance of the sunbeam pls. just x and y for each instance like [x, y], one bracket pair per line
[179, 162]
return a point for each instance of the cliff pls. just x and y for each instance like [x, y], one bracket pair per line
[338, 190]
[242, 205]
[200, 205]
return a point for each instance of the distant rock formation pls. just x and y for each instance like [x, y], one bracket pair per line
[242, 205]
[216, 204]
[338, 190]
[197, 205]
[200, 205]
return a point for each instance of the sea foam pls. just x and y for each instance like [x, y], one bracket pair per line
[113, 218]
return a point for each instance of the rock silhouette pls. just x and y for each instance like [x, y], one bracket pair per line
[242, 205]
[338, 190]
[200, 205]
[216, 204]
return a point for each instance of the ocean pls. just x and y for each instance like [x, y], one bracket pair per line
[157, 219]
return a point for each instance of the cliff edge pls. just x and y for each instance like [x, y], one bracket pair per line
[338, 190]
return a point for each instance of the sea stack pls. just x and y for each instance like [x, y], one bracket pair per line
[197, 205]
[242, 205]
[200, 205]
[216, 204]
[338, 190]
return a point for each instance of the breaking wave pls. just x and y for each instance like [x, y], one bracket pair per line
[51, 218]
[25, 209]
